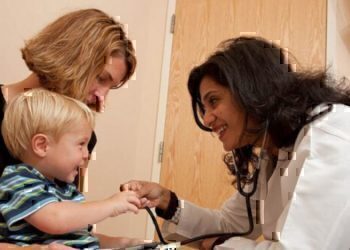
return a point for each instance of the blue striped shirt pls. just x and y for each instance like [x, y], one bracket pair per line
[23, 191]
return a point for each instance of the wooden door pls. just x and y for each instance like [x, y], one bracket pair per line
[192, 160]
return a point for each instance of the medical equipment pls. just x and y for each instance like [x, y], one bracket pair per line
[175, 245]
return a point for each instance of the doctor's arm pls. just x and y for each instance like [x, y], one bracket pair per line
[195, 220]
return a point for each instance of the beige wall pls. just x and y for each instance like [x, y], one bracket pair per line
[126, 130]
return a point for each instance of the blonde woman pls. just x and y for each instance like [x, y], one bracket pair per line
[82, 54]
[38, 201]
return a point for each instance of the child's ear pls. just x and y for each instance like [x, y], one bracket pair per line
[40, 144]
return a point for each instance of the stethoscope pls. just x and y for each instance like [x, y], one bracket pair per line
[246, 194]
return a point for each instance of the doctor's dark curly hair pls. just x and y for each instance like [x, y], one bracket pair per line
[263, 83]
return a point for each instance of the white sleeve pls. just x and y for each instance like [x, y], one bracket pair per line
[195, 221]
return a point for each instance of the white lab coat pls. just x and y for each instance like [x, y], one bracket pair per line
[307, 201]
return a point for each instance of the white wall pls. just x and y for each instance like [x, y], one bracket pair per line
[126, 129]
[338, 37]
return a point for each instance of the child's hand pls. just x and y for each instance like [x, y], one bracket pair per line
[123, 202]
[155, 194]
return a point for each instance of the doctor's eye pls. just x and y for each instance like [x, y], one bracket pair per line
[213, 101]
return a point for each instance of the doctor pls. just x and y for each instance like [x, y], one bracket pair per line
[292, 126]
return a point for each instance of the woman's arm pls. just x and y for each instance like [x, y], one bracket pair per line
[117, 242]
[52, 246]
[67, 216]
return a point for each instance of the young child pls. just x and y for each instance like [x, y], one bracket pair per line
[39, 204]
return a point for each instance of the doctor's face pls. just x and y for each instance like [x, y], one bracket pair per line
[222, 114]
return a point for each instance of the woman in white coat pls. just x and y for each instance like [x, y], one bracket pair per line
[293, 128]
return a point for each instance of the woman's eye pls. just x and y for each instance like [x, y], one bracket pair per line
[102, 79]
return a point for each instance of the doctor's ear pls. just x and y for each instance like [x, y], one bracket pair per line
[40, 144]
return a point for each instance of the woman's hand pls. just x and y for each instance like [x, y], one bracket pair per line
[156, 195]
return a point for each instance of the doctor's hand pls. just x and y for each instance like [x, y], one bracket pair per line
[156, 195]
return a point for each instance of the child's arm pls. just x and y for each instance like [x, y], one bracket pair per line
[117, 242]
[67, 216]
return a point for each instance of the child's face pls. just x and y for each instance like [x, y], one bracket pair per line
[68, 154]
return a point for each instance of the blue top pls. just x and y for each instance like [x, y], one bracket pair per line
[23, 191]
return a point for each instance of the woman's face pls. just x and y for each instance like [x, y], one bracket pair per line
[113, 73]
[222, 113]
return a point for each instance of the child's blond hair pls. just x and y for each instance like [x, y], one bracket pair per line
[41, 111]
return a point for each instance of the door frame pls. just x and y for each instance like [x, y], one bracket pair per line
[162, 104]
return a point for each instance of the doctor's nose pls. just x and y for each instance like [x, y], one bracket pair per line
[208, 118]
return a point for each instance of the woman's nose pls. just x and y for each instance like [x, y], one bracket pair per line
[102, 91]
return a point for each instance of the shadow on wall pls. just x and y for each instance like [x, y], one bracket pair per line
[343, 21]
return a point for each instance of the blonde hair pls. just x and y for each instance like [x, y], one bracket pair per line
[68, 54]
[41, 111]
